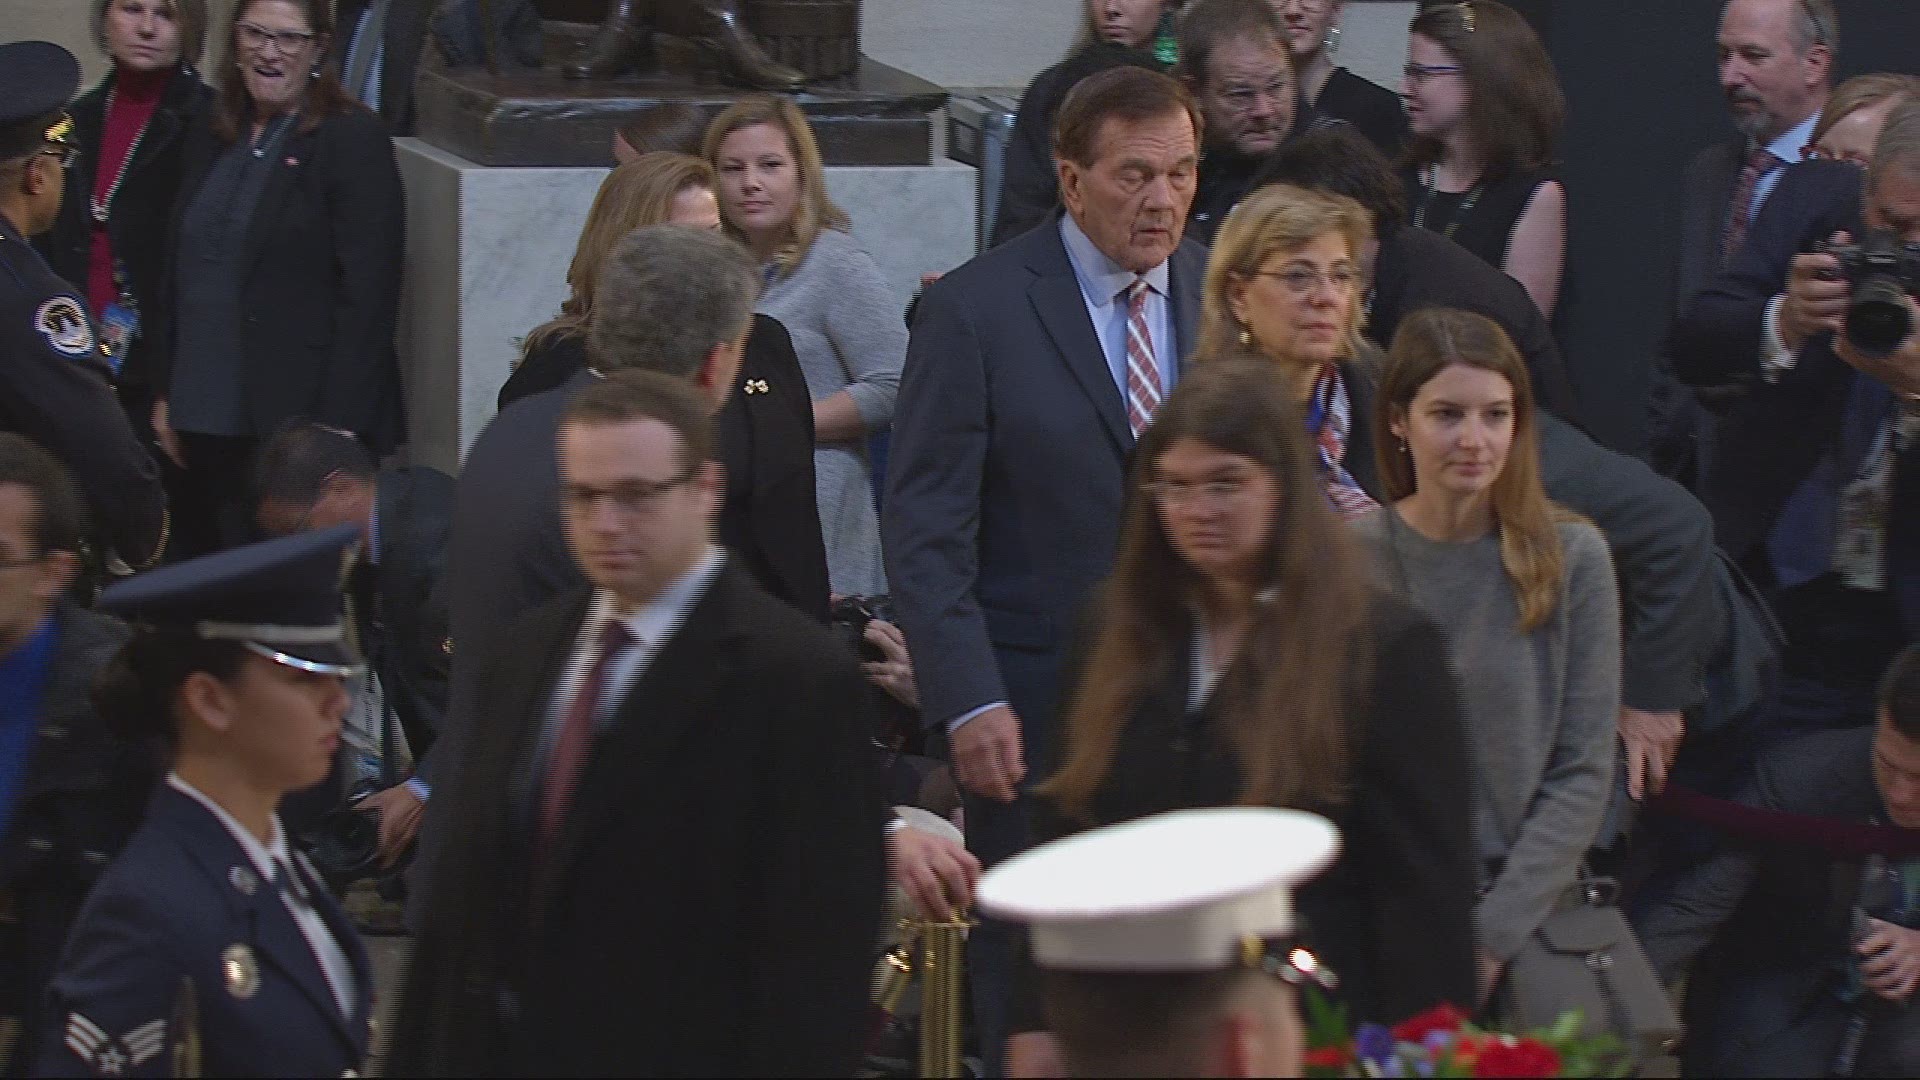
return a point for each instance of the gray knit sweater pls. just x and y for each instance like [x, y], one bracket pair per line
[848, 331]
[1542, 708]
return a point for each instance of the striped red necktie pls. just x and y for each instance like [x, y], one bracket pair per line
[1143, 373]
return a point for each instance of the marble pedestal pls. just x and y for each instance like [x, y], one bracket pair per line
[488, 249]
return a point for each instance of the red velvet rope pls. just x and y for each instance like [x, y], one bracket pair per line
[1846, 838]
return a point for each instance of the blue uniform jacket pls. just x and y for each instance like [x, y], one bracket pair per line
[182, 914]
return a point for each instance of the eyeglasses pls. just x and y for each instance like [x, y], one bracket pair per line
[1304, 281]
[1174, 494]
[633, 498]
[1313, 7]
[1245, 98]
[1419, 73]
[257, 38]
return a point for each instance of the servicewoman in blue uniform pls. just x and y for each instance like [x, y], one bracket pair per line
[55, 386]
[210, 948]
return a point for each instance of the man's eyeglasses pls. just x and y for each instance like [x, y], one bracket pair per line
[1419, 73]
[633, 498]
[257, 38]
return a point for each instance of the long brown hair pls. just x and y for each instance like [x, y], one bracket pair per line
[1428, 342]
[633, 196]
[1287, 696]
[1515, 108]
[816, 210]
[233, 108]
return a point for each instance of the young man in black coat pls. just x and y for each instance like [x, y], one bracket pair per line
[71, 790]
[670, 861]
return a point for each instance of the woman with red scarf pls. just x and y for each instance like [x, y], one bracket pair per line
[110, 240]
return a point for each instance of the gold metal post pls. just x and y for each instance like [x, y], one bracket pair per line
[943, 951]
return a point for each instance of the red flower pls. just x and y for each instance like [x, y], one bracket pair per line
[1330, 1057]
[1524, 1058]
[1442, 1017]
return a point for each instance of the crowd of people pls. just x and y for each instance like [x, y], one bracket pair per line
[1210, 588]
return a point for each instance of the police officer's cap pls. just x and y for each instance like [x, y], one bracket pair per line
[280, 598]
[1192, 890]
[37, 80]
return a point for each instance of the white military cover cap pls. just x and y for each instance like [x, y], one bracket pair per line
[1183, 891]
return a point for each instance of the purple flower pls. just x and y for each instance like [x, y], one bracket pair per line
[1441, 1041]
[1374, 1043]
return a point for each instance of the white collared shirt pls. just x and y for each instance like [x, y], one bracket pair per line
[1102, 283]
[651, 625]
[267, 859]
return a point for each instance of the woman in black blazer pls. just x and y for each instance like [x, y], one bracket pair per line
[1241, 656]
[111, 237]
[283, 280]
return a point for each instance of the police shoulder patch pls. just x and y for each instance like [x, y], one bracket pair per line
[62, 322]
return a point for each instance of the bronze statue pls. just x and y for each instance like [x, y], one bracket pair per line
[626, 33]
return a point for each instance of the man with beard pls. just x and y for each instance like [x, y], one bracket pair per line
[1234, 58]
[1776, 69]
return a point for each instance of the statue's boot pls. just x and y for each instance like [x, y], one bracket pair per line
[746, 60]
[620, 44]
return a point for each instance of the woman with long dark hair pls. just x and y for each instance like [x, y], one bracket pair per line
[1486, 111]
[284, 278]
[1241, 656]
[110, 238]
[1524, 591]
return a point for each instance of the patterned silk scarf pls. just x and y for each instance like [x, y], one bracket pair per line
[1329, 422]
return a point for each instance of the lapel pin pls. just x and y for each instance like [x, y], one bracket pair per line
[757, 386]
[243, 879]
[241, 971]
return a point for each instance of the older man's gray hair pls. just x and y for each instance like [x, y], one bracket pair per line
[667, 295]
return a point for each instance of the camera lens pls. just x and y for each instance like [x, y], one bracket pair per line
[1878, 320]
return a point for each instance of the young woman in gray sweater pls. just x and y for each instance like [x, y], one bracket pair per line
[828, 293]
[1524, 592]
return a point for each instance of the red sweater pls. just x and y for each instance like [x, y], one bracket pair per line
[136, 95]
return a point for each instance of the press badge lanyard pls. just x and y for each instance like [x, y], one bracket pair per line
[120, 322]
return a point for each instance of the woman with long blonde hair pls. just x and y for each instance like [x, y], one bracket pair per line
[1241, 656]
[1525, 594]
[828, 292]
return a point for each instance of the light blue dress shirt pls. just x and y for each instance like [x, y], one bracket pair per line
[1789, 148]
[1103, 285]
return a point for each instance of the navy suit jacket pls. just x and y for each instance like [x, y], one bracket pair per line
[1706, 193]
[1777, 434]
[183, 906]
[1008, 474]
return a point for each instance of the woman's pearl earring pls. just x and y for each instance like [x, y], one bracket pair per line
[1246, 336]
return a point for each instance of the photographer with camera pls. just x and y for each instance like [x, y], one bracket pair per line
[1814, 490]
[1801, 933]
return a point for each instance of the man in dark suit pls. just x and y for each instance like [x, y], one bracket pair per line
[72, 790]
[1814, 490]
[681, 306]
[670, 860]
[1776, 65]
[1235, 60]
[310, 476]
[1787, 944]
[1415, 268]
[1030, 372]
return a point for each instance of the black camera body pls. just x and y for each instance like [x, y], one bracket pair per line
[1883, 272]
[850, 616]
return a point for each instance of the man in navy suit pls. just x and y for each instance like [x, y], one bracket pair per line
[1815, 488]
[1030, 373]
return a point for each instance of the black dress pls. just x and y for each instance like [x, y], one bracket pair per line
[1375, 110]
[1394, 916]
[1480, 219]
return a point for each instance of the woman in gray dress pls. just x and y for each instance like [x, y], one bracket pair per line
[828, 293]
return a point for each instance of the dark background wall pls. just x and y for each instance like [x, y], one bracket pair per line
[1642, 98]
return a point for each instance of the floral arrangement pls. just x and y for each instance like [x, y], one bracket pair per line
[1441, 1042]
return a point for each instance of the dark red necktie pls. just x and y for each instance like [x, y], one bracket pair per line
[1740, 210]
[575, 737]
